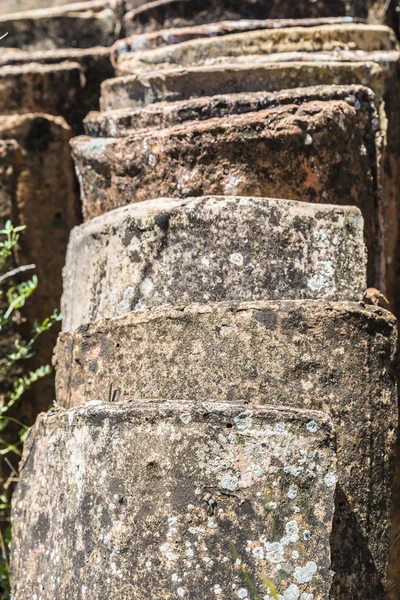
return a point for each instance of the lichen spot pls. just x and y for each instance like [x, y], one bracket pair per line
[316, 283]
[305, 574]
[330, 480]
[293, 490]
[275, 552]
[312, 427]
[320, 235]
[146, 287]
[292, 593]
[244, 420]
[229, 482]
[292, 532]
[236, 259]
[185, 418]
[181, 592]
[217, 589]
[242, 593]
[231, 186]
[126, 303]
[258, 552]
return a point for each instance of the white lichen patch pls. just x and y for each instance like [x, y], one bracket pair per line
[292, 470]
[237, 259]
[305, 574]
[244, 420]
[185, 418]
[293, 490]
[165, 549]
[217, 478]
[292, 593]
[125, 305]
[147, 286]
[230, 482]
[258, 552]
[275, 552]
[292, 533]
[330, 479]
[312, 427]
[281, 427]
[231, 186]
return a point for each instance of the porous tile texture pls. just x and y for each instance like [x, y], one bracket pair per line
[378, 70]
[122, 122]
[59, 28]
[244, 155]
[175, 501]
[212, 249]
[233, 76]
[267, 41]
[63, 82]
[334, 357]
[151, 40]
[14, 6]
[162, 14]
[40, 88]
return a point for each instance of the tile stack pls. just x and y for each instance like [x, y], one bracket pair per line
[226, 403]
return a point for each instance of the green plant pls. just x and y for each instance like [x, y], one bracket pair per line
[250, 585]
[13, 377]
[270, 586]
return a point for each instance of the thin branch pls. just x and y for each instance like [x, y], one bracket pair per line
[11, 466]
[17, 270]
[3, 36]
[4, 553]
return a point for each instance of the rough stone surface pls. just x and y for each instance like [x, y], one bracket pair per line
[389, 62]
[393, 585]
[267, 41]
[334, 357]
[126, 121]
[243, 155]
[212, 249]
[38, 189]
[240, 74]
[59, 28]
[51, 89]
[14, 6]
[94, 65]
[184, 501]
[163, 14]
[165, 37]
[180, 84]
